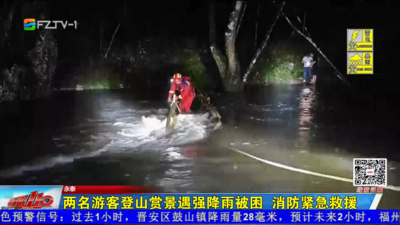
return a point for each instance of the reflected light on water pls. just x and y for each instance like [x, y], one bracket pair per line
[305, 118]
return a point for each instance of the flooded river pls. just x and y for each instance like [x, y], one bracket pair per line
[274, 139]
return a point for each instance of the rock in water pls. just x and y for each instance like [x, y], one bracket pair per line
[218, 126]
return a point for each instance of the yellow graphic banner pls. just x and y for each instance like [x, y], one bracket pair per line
[360, 40]
[360, 63]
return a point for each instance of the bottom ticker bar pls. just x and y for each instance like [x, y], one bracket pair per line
[200, 216]
[109, 190]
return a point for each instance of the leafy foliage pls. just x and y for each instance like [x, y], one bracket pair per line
[148, 58]
[193, 67]
[168, 56]
[280, 64]
[99, 78]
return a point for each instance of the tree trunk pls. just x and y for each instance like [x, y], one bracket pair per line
[101, 40]
[43, 60]
[241, 18]
[219, 57]
[7, 22]
[228, 65]
[263, 45]
[256, 29]
[232, 80]
[338, 73]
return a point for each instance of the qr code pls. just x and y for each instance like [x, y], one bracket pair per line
[369, 172]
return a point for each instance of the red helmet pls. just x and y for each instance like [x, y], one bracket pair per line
[177, 78]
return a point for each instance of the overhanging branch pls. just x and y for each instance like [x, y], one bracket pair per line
[112, 39]
[304, 21]
[304, 27]
[338, 73]
[256, 28]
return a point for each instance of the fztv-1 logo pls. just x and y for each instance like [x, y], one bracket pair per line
[31, 24]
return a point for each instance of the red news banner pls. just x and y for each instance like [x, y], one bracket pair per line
[92, 190]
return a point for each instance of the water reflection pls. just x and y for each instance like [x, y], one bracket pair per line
[306, 105]
[179, 177]
[191, 151]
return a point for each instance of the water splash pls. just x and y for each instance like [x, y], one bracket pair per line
[121, 130]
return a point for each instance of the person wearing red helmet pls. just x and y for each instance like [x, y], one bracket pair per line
[186, 89]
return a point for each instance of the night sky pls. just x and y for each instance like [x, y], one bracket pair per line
[326, 20]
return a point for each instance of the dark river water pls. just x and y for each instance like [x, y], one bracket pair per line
[269, 137]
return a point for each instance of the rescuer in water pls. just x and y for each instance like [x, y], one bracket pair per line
[186, 89]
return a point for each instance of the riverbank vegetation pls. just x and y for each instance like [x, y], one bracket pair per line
[281, 63]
